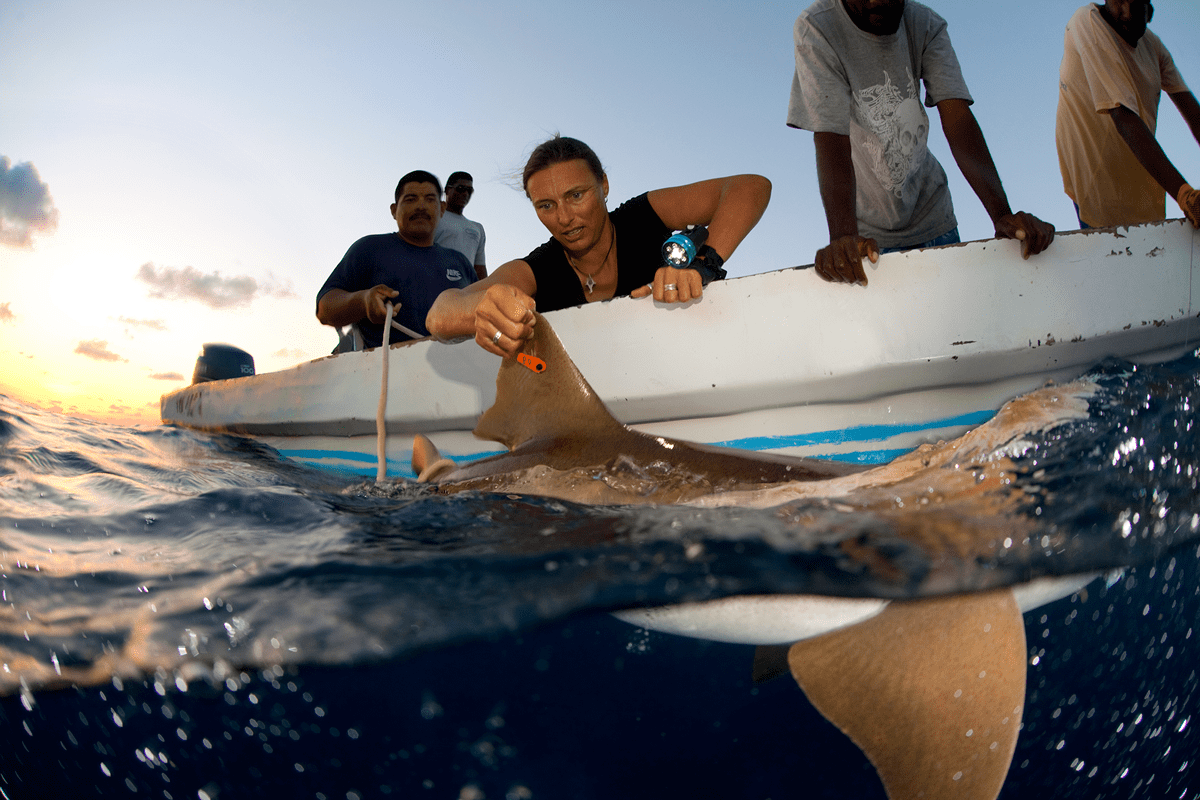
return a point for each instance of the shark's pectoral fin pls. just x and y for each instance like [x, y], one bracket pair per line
[931, 690]
[427, 462]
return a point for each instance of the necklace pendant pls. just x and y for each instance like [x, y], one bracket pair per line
[591, 284]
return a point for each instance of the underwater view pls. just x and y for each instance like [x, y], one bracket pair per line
[187, 615]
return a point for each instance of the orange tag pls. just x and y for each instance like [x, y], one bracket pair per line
[532, 362]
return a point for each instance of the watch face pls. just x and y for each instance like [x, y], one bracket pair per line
[675, 254]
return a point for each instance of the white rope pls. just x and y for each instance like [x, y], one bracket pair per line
[406, 331]
[381, 413]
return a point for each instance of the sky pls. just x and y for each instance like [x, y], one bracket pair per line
[179, 173]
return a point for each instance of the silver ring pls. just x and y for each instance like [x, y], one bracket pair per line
[496, 338]
[668, 287]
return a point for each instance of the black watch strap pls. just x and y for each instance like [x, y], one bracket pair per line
[708, 263]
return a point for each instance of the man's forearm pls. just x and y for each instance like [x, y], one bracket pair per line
[974, 160]
[1189, 109]
[338, 307]
[1146, 149]
[835, 177]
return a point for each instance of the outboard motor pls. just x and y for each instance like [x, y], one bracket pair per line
[218, 362]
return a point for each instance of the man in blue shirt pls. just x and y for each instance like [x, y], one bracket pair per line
[405, 267]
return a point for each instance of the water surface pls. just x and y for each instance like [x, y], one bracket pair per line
[185, 615]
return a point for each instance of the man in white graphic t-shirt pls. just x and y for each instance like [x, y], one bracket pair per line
[859, 66]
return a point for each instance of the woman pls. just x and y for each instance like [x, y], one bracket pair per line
[594, 254]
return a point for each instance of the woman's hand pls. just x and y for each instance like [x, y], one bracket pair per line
[672, 285]
[504, 319]
[501, 302]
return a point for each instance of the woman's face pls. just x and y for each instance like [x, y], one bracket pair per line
[570, 203]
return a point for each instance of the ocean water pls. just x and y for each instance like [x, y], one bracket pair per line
[185, 615]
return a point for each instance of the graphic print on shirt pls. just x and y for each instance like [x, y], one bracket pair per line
[891, 130]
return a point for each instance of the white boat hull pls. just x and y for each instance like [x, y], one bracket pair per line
[781, 362]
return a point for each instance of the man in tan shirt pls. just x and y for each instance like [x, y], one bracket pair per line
[1113, 73]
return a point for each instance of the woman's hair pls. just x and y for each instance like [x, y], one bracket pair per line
[557, 150]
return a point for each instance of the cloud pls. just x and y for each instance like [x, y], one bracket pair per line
[26, 207]
[152, 324]
[189, 283]
[6, 313]
[167, 376]
[135, 326]
[97, 349]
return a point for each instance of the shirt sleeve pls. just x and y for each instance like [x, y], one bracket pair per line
[820, 99]
[940, 70]
[1172, 80]
[347, 275]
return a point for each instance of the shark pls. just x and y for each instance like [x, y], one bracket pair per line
[931, 689]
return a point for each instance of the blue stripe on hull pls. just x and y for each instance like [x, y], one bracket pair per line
[866, 456]
[355, 463]
[862, 433]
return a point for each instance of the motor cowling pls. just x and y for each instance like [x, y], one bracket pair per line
[218, 362]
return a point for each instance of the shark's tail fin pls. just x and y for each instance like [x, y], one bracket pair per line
[427, 462]
[543, 403]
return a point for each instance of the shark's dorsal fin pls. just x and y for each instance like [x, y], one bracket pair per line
[554, 402]
[931, 690]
